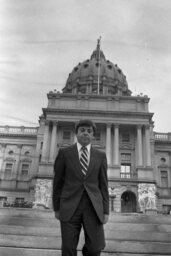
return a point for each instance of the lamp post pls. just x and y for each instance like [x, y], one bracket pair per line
[112, 197]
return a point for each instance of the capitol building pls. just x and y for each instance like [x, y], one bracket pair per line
[139, 159]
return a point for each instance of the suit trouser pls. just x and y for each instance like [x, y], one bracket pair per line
[84, 216]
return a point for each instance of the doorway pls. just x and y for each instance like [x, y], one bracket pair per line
[128, 202]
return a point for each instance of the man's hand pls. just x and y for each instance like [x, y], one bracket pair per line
[106, 218]
[57, 215]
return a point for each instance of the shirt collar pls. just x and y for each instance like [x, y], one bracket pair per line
[79, 146]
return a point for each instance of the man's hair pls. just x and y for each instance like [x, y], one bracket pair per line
[85, 122]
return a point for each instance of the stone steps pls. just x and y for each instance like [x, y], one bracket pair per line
[117, 232]
[48, 215]
[157, 224]
[37, 232]
[54, 243]
[39, 252]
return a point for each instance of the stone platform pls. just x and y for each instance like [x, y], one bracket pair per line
[31, 232]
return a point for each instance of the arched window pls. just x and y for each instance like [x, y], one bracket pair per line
[24, 169]
[164, 178]
[8, 170]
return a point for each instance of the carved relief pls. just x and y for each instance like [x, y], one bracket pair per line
[112, 191]
[43, 193]
[10, 159]
[147, 196]
[27, 160]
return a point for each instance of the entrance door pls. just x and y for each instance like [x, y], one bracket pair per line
[128, 202]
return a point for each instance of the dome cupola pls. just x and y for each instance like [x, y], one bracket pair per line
[97, 76]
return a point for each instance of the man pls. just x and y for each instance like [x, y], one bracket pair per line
[80, 193]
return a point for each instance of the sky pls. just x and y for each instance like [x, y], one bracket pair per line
[42, 41]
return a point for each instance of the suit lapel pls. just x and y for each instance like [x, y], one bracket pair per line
[76, 161]
[92, 161]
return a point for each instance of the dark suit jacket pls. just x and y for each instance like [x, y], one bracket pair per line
[70, 183]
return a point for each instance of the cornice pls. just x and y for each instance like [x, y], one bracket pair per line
[98, 111]
[158, 142]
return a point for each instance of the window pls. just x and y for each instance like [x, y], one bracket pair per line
[3, 200]
[19, 200]
[109, 66]
[125, 137]
[41, 145]
[24, 169]
[125, 171]
[97, 136]
[166, 209]
[164, 178]
[8, 170]
[66, 135]
[94, 89]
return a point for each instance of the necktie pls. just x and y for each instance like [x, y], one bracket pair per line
[84, 160]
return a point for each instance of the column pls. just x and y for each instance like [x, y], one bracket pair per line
[45, 142]
[53, 141]
[147, 145]
[108, 143]
[16, 173]
[35, 162]
[139, 144]
[3, 145]
[116, 144]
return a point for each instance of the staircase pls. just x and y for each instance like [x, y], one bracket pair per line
[31, 232]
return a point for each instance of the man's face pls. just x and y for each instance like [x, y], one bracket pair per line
[85, 135]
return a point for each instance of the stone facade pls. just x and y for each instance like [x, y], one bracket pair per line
[136, 154]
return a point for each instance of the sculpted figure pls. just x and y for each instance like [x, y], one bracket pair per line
[146, 196]
[42, 193]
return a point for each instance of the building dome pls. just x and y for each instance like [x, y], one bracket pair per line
[98, 76]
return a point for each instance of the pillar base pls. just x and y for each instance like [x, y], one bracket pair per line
[151, 211]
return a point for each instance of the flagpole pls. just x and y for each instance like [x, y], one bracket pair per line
[98, 76]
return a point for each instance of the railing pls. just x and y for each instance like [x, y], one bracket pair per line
[162, 136]
[18, 130]
[128, 175]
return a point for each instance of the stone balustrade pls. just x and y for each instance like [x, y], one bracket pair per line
[18, 130]
[162, 136]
